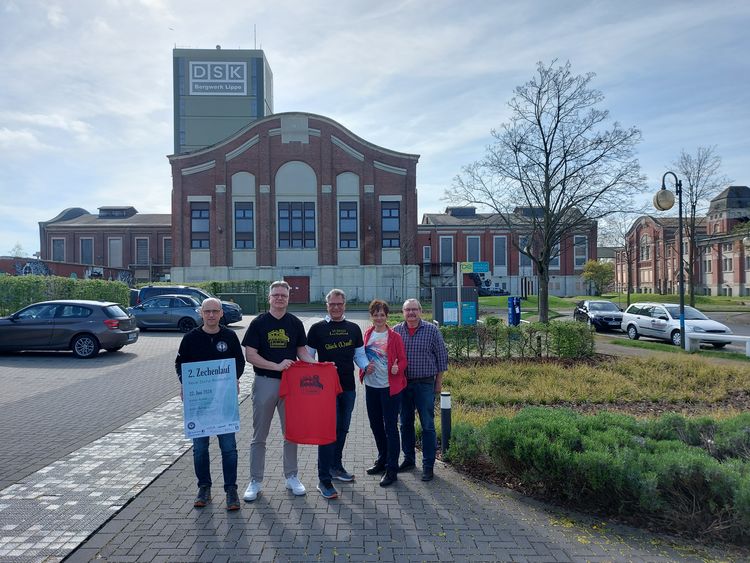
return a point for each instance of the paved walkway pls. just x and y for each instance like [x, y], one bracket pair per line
[128, 497]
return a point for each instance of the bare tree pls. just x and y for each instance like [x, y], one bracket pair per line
[615, 230]
[557, 158]
[702, 180]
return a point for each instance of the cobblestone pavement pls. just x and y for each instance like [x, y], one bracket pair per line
[130, 494]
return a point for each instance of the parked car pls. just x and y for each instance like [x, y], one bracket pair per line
[232, 311]
[599, 314]
[168, 311]
[81, 326]
[488, 291]
[662, 321]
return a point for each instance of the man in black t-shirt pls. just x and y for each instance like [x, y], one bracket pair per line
[212, 342]
[339, 341]
[273, 342]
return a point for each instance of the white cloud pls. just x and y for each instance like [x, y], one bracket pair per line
[92, 85]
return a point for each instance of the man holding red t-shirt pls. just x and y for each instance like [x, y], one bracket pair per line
[273, 342]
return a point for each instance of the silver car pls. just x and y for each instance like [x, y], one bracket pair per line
[168, 311]
[662, 321]
[78, 325]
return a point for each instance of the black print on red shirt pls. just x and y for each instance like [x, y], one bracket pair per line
[310, 384]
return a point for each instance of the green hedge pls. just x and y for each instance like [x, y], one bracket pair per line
[18, 291]
[495, 339]
[688, 475]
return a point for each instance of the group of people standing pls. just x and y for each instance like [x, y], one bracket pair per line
[401, 368]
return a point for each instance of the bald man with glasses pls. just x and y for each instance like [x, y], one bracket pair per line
[211, 341]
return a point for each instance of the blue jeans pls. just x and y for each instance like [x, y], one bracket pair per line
[202, 461]
[382, 410]
[419, 395]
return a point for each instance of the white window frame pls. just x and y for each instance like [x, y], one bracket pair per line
[80, 250]
[478, 240]
[440, 249]
[52, 248]
[505, 250]
[554, 262]
[576, 246]
[164, 251]
[148, 252]
[524, 261]
[356, 223]
[109, 252]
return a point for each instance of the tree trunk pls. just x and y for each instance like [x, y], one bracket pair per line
[543, 297]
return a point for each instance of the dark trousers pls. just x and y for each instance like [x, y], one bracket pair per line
[419, 395]
[329, 455]
[382, 410]
[202, 460]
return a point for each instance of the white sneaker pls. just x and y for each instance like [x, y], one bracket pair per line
[251, 493]
[293, 484]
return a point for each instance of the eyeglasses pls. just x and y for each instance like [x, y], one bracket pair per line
[279, 296]
[411, 309]
[211, 311]
[335, 304]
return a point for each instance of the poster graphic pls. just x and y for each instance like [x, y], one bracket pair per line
[209, 391]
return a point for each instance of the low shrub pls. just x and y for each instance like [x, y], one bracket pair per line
[495, 339]
[19, 291]
[662, 470]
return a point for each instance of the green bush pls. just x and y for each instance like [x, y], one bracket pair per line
[464, 445]
[19, 291]
[529, 340]
[629, 467]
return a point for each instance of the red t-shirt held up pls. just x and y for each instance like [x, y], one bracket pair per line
[309, 392]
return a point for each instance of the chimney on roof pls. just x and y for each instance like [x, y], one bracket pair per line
[461, 211]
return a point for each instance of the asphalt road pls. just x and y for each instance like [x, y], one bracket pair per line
[53, 403]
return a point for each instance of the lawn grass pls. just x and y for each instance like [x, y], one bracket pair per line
[480, 393]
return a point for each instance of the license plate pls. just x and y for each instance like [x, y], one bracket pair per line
[132, 336]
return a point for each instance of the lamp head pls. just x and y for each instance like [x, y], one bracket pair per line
[664, 200]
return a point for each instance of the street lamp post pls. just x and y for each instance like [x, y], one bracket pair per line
[663, 201]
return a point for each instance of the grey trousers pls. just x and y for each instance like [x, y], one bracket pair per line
[265, 397]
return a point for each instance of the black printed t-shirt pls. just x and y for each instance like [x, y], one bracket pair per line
[336, 341]
[200, 346]
[275, 339]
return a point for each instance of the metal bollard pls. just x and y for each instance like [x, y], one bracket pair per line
[445, 420]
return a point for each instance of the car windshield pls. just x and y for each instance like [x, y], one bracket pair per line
[602, 306]
[690, 313]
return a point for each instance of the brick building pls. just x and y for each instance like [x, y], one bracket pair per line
[720, 254]
[298, 196]
[117, 237]
[463, 235]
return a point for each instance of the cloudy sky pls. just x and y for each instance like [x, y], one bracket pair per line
[86, 85]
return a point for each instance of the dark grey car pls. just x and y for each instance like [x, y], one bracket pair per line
[168, 311]
[84, 327]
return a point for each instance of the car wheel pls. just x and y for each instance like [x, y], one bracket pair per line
[186, 325]
[633, 333]
[85, 346]
[115, 349]
[676, 338]
[719, 345]
[591, 325]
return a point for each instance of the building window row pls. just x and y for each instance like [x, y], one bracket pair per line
[390, 224]
[348, 221]
[244, 226]
[199, 224]
[296, 224]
